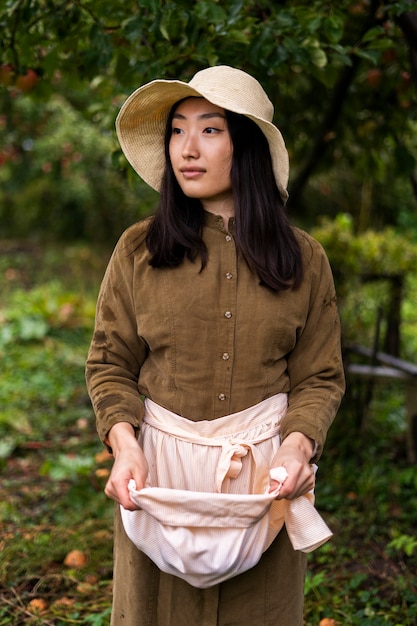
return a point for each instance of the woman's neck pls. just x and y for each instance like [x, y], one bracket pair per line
[224, 209]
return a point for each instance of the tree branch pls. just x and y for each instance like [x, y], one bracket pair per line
[326, 130]
[408, 24]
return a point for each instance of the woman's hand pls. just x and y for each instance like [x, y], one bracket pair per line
[129, 463]
[294, 454]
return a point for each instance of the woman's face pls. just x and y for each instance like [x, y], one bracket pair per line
[200, 149]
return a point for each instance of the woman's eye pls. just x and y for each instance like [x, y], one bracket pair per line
[176, 131]
[210, 130]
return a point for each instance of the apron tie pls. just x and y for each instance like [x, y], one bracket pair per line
[230, 464]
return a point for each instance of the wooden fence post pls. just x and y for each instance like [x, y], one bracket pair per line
[411, 407]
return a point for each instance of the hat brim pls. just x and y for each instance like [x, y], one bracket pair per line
[141, 125]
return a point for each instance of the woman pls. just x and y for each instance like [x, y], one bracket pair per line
[223, 317]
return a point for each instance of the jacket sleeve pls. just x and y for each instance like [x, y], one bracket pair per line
[315, 365]
[116, 352]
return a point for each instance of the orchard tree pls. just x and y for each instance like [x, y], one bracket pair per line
[342, 77]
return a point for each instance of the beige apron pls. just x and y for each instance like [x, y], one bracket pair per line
[206, 514]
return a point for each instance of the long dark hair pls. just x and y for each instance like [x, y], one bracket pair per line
[263, 234]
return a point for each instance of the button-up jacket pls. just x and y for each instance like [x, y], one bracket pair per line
[207, 343]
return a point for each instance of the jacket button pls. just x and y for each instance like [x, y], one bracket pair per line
[228, 315]
[225, 356]
[221, 397]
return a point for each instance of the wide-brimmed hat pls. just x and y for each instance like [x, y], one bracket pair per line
[141, 122]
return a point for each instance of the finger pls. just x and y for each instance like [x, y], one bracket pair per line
[294, 488]
[119, 493]
[273, 486]
[122, 499]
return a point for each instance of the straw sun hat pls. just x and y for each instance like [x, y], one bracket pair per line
[141, 122]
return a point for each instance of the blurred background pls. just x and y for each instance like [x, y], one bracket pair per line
[343, 81]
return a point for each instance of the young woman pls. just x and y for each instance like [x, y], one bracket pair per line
[215, 359]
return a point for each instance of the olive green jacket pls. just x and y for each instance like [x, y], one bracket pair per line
[208, 343]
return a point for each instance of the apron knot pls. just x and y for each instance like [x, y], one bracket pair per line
[230, 464]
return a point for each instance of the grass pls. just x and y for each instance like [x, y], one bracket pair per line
[367, 573]
[56, 524]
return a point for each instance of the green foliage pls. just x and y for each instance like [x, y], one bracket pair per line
[409, 318]
[404, 543]
[386, 252]
[372, 253]
[363, 265]
[154, 38]
[37, 317]
[44, 308]
[51, 499]
[58, 172]
[366, 574]
[337, 238]
[36, 324]
[68, 467]
[51, 374]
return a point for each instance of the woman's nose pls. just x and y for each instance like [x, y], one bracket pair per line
[190, 147]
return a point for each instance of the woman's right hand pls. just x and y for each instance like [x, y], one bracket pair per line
[129, 463]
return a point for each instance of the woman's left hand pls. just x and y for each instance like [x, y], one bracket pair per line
[294, 454]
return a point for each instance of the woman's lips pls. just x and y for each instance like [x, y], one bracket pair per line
[193, 172]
